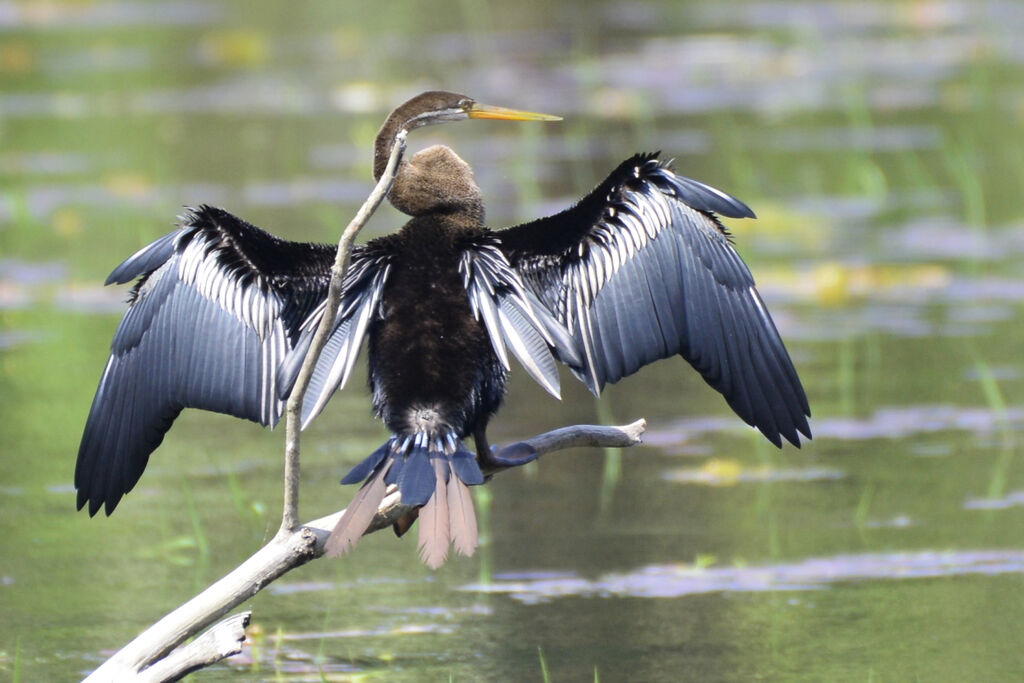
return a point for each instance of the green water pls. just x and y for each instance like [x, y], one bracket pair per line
[880, 144]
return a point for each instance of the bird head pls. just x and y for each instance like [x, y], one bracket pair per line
[440, 106]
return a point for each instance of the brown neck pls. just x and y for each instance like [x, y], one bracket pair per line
[436, 180]
[385, 141]
[435, 106]
[404, 117]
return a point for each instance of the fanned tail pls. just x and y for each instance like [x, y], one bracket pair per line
[432, 473]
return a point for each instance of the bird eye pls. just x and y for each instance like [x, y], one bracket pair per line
[465, 103]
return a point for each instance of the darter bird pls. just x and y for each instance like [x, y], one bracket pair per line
[222, 314]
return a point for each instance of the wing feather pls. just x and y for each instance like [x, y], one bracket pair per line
[363, 287]
[513, 317]
[337, 360]
[641, 269]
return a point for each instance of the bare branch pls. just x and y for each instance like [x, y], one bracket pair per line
[293, 411]
[591, 436]
[220, 642]
[290, 550]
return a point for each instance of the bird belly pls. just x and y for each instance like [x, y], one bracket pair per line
[431, 362]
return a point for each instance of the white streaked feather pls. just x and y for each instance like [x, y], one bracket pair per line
[337, 375]
[242, 311]
[524, 305]
[250, 304]
[265, 352]
[522, 352]
[313, 319]
[583, 312]
[276, 343]
[641, 200]
[352, 321]
[481, 275]
[606, 261]
[201, 270]
[622, 253]
[634, 229]
[660, 202]
[355, 341]
[597, 266]
[495, 293]
[261, 312]
[490, 317]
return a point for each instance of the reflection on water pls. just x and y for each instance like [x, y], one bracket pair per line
[1008, 501]
[674, 581]
[902, 422]
[879, 144]
[885, 423]
[717, 472]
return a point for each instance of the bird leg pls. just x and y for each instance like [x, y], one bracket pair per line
[513, 455]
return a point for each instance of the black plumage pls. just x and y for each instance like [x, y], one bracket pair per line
[640, 269]
[217, 306]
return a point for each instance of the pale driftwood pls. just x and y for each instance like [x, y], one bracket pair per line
[147, 655]
[293, 410]
[220, 642]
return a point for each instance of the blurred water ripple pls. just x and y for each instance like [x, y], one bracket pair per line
[676, 581]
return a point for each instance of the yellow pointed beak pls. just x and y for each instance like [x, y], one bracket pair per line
[486, 111]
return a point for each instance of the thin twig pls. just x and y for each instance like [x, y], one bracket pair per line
[293, 411]
[288, 551]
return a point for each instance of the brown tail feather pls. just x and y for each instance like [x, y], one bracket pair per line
[462, 517]
[434, 529]
[358, 515]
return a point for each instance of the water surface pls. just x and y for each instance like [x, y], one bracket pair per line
[878, 142]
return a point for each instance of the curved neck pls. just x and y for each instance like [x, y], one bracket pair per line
[385, 141]
[406, 117]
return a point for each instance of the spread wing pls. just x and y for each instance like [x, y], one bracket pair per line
[217, 309]
[641, 269]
